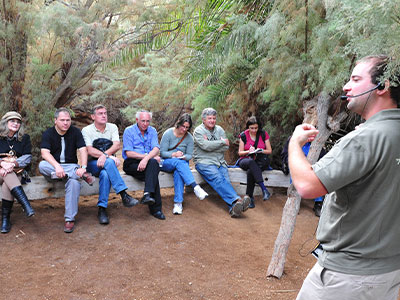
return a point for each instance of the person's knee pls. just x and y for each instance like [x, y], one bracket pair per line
[43, 165]
[153, 165]
[252, 163]
[109, 163]
[128, 167]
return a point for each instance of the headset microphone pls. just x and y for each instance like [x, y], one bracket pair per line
[380, 86]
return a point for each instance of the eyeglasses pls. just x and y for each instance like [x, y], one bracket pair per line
[186, 127]
[15, 121]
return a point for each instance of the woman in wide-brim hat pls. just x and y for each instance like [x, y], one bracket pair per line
[15, 150]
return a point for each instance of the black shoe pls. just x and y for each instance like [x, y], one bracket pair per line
[251, 204]
[159, 215]
[102, 216]
[147, 199]
[317, 208]
[127, 200]
[266, 195]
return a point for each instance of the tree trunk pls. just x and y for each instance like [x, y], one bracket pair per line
[15, 54]
[292, 206]
[79, 71]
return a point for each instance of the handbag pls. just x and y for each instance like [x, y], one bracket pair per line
[11, 158]
[102, 144]
[261, 159]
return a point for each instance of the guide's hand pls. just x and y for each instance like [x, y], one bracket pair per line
[304, 133]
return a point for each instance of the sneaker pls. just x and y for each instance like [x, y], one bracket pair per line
[177, 209]
[245, 202]
[88, 178]
[199, 192]
[69, 226]
[241, 205]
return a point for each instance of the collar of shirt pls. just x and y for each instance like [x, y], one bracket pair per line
[105, 129]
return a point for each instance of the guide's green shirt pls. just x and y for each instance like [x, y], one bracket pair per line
[359, 228]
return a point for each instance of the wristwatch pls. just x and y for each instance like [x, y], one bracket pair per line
[83, 166]
[107, 156]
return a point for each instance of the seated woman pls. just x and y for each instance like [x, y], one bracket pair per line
[17, 146]
[254, 139]
[176, 148]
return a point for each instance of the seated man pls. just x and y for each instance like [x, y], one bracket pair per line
[58, 149]
[141, 154]
[210, 143]
[102, 142]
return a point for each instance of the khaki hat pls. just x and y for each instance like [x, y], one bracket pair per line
[12, 115]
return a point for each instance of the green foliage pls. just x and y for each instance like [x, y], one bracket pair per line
[157, 88]
[246, 56]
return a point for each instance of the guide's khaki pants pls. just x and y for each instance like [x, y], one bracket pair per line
[324, 284]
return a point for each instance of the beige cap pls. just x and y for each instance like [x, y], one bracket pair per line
[12, 115]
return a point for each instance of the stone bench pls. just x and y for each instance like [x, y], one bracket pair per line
[40, 188]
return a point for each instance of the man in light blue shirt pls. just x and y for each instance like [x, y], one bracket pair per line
[141, 154]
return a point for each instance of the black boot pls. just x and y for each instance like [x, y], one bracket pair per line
[19, 194]
[6, 206]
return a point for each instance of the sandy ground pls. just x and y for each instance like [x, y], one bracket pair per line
[202, 254]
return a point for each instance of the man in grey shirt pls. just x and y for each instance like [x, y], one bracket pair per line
[359, 225]
[210, 144]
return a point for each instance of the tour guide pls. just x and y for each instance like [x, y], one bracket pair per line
[360, 225]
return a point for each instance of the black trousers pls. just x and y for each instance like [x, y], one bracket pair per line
[254, 174]
[150, 178]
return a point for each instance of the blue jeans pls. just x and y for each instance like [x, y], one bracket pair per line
[182, 175]
[218, 179]
[108, 176]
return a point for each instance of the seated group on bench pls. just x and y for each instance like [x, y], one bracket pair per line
[143, 157]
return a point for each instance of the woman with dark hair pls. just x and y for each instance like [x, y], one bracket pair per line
[176, 148]
[15, 150]
[254, 146]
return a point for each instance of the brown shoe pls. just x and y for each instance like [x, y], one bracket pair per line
[88, 178]
[69, 226]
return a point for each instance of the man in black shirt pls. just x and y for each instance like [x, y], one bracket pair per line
[58, 149]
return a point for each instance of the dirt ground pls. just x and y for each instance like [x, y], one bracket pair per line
[202, 254]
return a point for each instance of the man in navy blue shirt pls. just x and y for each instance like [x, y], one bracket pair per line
[141, 154]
